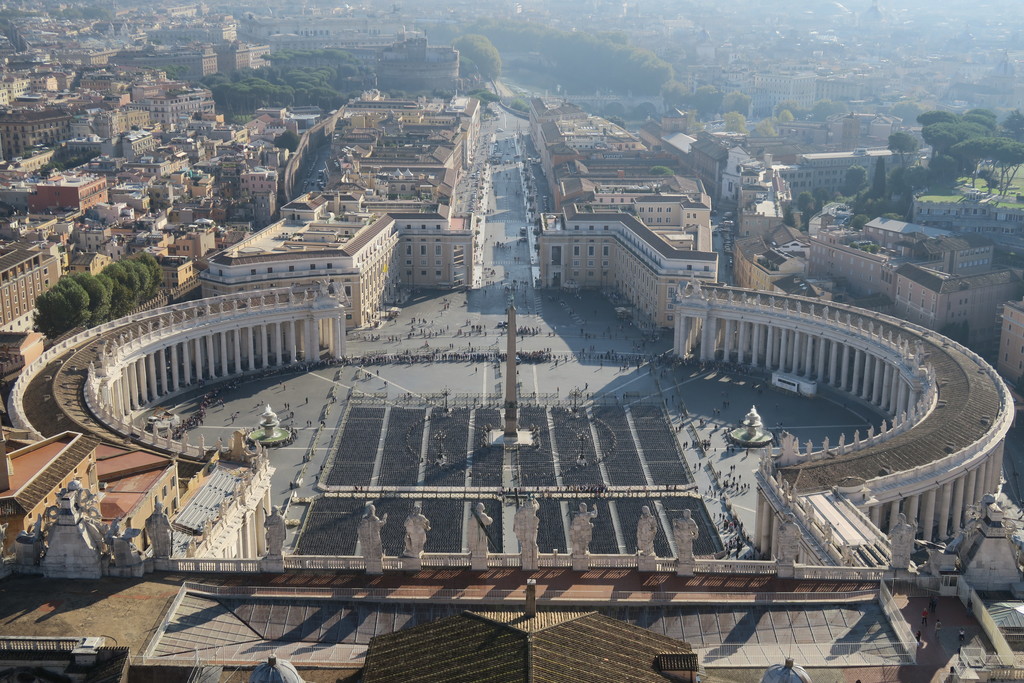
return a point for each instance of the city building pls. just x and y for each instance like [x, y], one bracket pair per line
[371, 257]
[68, 192]
[965, 307]
[618, 253]
[414, 66]
[827, 170]
[23, 129]
[24, 275]
[1011, 342]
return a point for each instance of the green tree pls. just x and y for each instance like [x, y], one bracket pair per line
[786, 116]
[854, 180]
[903, 144]
[661, 170]
[906, 111]
[936, 116]
[823, 109]
[766, 128]
[99, 296]
[793, 107]
[878, 179]
[736, 101]
[63, 307]
[707, 100]
[735, 122]
[858, 221]
[287, 140]
[1013, 125]
[481, 51]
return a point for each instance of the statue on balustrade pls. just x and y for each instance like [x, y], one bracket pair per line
[158, 530]
[274, 525]
[525, 526]
[646, 529]
[416, 528]
[901, 536]
[582, 530]
[369, 532]
[686, 532]
[789, 541]
[478, 530]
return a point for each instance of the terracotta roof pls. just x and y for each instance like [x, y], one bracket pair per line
[550, 647]
[77, 448]
[945, 283]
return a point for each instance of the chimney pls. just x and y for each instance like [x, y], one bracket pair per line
[531, 597]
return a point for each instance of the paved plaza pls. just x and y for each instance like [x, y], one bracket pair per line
[441, 349]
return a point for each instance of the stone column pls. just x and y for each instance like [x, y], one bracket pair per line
[981, 487]
[174, 366]
[971, 490]
[161, 361]
[820, 370]
[211, 364]
[292, 343]
[995, 461]
[278, 349]
[877, 383]
[315, 325]
[943, 509]
[913, 506]
[928, 518]
[133, 386]
[250, 341]
[808, 354]
[783, 349]
[151, 375]
[958, 503]
[894, 513]
[755, 346]
[198, 360]
[742, 342]
[186, 362]
[833, 361]
[844, 380]
[875, 513]
[727, 340]
[706, 339]
[140, 367]
[769, 353]
[859, 381]
[225, 368]
[238, 350]
[887, 392]
[902, 393]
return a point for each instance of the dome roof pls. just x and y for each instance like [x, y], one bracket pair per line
[785, 673]
[275, 670]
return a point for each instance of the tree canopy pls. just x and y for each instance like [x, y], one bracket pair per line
[83, 299]
[475, 49]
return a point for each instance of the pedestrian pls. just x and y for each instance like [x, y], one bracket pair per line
[962, 635]
[938, 628]
[919, 638]
[924, 617]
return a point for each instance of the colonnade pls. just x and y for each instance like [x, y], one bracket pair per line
[209, 353]
[881, 361]
[847, 364]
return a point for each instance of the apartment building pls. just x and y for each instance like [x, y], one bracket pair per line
[76, 192]
[1011, 342]
[24, 275]
[827, 170]
[618, 253]
[963, 306]
[23, 129]
[371, 256]
[170, 105]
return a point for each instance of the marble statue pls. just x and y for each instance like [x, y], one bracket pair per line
[525, 526]
[789, 541]
[685, 531]
[369, 532]
[478, 530]
[847, 555]
[416, 528]
[274, 525]
[901, 537]
[582, 530]
[646, 530]
[158, 530]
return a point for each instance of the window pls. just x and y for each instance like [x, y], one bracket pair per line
[312, 266]
[291, 269]
[423, 250]
[252, 271]
[437, 250]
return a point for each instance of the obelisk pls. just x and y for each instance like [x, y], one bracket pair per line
[511, 402]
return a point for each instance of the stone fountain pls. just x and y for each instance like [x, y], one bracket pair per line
[752, 433]
[270, 433]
